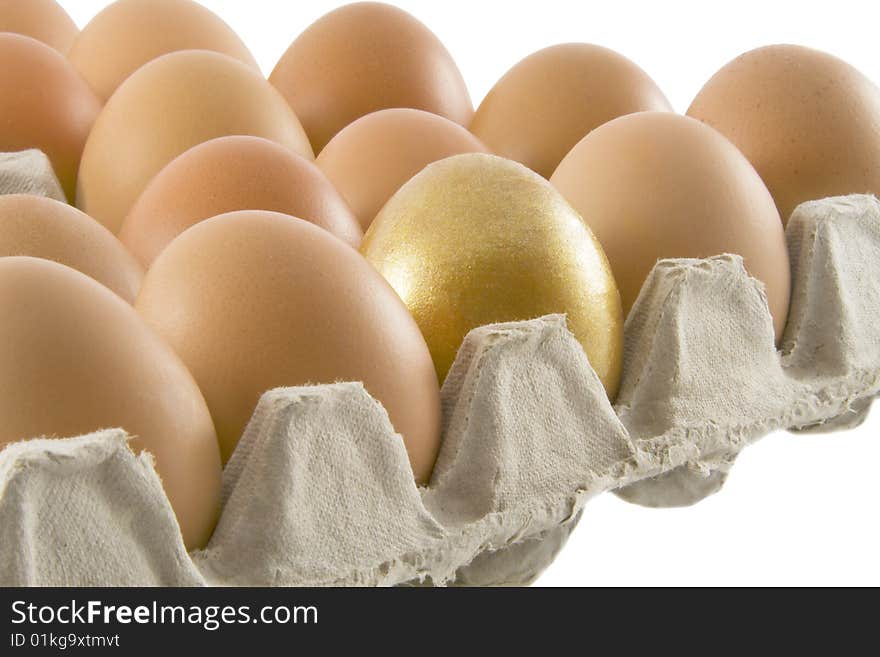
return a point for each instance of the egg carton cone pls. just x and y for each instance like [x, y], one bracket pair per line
[319, 491]
[29, 172]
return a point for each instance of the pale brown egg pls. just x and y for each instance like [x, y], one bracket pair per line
[44, 228]
[255, 300]
[227, 174]
[658, 185]
[129, 33]
[165, 108]
[549, 101]
[362, 58]
[43, 20]
[75, 358]
[44, 104]
[808, 122]
[369, 160]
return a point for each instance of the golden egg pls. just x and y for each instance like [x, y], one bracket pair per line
[476, 239]
[549, 101]
[365, 57]
[166, 107]
[75, 358]
[808, 122]
[129, 33]
[43, 20]
[44, 228]
[44, 104]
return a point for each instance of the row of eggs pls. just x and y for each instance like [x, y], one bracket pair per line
[187, 164]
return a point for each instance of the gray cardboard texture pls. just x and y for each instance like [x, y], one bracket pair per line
[29, 172]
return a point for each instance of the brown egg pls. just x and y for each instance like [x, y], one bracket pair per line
[255, 300]
[44, 104]
[227, 174]
[362, 58]
[369, 160]
[129, 33]
[658, 185]
[165, 108]
[43, 20]
[75, 358]
[44, 228]
[550, 100]
[807, 121]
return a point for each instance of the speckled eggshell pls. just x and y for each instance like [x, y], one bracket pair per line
[75, 358]
[127, 34]
[365, 57]
[43, 20]
[44, 104]
[227, 174]
[44, 228]
[255, 300]
[808, 122]
[549, 101]
[369, 160]
[166, 107]
[658, 185]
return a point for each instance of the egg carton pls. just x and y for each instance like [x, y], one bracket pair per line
[29, 172]
[320, 491]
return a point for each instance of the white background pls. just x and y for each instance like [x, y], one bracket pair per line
[797, 509]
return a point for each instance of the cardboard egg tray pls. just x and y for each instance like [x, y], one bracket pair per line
[320, 491]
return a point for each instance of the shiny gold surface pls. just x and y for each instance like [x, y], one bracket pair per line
[476, 239]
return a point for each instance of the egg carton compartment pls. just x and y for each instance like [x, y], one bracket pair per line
[320, 491]
[29, 172]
